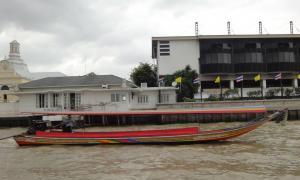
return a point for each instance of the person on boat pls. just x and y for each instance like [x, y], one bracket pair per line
[37, 125]
[67, 124]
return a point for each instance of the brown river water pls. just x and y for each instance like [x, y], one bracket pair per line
[270, 152]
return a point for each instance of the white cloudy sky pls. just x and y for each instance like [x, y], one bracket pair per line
[112, 36]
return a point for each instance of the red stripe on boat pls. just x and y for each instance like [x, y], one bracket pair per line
[118, 134]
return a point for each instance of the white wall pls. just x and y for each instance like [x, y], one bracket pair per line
[9, 109]
[101, 100]
[182, 53]
[27, 103]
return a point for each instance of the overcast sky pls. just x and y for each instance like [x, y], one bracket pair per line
[112, 36]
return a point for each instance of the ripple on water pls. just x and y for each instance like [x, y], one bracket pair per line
[270, 152]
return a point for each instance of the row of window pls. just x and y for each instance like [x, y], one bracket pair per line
[73, 100]
[250, 57]
[222, 46]
[141, 99]
[217, 58]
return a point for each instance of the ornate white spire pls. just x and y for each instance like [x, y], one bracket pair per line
[14, 51]
[15, 60]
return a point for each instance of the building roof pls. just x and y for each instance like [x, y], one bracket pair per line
[89, 80]
[240, 36]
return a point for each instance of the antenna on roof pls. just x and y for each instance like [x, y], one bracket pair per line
[260, 27]
[196, 29]
[291, 27]
[228, 28]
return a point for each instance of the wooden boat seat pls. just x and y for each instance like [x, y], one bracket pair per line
[119, 134]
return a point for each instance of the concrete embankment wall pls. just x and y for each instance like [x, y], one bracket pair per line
[293, 105]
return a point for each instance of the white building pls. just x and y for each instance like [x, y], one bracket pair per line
[174, 53]
[90, 93]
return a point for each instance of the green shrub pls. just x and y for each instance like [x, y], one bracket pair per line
[185, 99]
[288, 92]
[254, 94]
[212, 98]
[231, 93]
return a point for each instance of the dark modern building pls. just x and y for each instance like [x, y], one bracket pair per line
[230, 56]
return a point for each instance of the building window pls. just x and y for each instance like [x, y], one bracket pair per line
[143, 99]
[164, 48]
[217, 58]
[5, 97]
[54, 100]
[249, 57]
[164, 98]
[42, 100]
[66, 102]
[283, 56]
[123, 97]
[4, 88]
[115, 97]
[77, 100]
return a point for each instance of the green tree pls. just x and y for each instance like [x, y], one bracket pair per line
[187, 89]
[144, 73]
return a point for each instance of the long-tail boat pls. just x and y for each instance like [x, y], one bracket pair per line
[164, 136]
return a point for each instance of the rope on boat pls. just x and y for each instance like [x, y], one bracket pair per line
[8, 137]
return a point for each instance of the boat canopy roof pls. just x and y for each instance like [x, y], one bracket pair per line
[231, 110]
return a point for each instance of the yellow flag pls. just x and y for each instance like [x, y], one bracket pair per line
[298, 76]
[178, 80]
[257, 77]
[218, 79]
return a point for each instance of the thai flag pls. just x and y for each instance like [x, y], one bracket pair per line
[239, 78]
[278, 76]
[196, 81]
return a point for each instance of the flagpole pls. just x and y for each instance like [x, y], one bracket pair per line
[221, 94]
[180, 87]
[281, 88]
[242, 88]
[262, 89]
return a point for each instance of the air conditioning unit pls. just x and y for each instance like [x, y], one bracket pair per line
[144, 85]
[104, 86]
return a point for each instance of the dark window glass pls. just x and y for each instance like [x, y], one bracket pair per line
[164, 42]
[164, 50]
[164, 46]
[165, 54]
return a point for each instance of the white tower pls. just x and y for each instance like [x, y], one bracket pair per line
[14, 51]
[14, 58]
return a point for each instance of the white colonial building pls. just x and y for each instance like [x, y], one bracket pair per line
[90, 93]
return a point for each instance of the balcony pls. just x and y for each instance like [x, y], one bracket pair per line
[283, 66]
[249, 67]
[216, 68]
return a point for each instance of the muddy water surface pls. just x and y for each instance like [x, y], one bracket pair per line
[270, 152]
